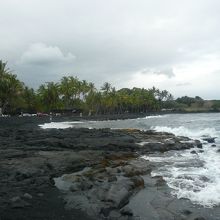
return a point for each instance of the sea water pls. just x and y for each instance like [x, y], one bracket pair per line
[194, 176]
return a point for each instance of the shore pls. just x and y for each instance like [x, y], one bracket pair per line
[86, 174]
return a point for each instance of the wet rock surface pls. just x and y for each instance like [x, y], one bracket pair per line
[156, 202]
[84, 173]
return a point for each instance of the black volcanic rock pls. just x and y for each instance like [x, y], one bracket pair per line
[102, 165]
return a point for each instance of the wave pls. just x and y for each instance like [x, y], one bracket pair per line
[155, 116]
[59, 125]
[192, 133]
[191, 176]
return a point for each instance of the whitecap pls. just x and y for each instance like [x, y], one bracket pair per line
[191, 176]
[183, 131]
[155, 116]
[59, 125]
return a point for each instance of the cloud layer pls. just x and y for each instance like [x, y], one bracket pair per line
[128, 43]
[41, 54]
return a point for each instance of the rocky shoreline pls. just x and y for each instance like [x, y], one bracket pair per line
[84, 173]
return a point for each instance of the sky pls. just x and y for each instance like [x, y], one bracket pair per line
[172, 44]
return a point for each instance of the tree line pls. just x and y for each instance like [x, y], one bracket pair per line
[71, 94]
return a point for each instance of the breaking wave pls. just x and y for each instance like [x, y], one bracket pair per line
[60, 125]
[192, 133]
[191, 176]
[155, 116]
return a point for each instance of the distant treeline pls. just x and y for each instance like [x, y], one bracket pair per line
[73, 95]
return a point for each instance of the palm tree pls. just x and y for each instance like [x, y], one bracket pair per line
[84, 89]
[49, 96]
[106, 87]
[65, 91]
[30, 99]
[91, 87]
[10, 89]
[3, 69]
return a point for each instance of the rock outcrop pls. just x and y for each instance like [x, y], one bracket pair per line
[96, 170]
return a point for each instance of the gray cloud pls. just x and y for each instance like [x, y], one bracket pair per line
[216, 72]
[44, 63]
[109, 40]
[166, 72]
[41, 54]
[184, 84]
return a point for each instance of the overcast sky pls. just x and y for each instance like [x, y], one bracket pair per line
[172, 44]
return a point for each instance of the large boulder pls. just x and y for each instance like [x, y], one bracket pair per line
[119, 193]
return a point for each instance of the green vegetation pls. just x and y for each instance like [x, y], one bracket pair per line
[189, 100]
[216, 104]
[197, 104]
[73, 95]
[70, 93]
[10, 89]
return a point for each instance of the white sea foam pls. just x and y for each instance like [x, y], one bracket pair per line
[192, 176]
[192, 133]
[146, 142]
[59, 125]
[155, 116]
[62, 184]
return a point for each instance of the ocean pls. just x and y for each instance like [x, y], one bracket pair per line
[194, 176]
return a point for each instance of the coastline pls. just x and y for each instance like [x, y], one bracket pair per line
[108, 161]
[76, 117]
